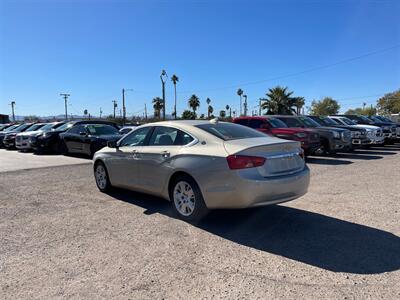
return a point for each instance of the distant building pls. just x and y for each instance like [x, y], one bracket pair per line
[4, 119]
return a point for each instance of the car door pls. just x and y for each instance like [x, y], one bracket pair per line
[155, 160]
[122, 165]
[71, 138]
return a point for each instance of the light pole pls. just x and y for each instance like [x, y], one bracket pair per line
[115, 105]
[163, 78]
[12, 109]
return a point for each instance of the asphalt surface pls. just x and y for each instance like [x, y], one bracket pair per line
[14, 160]
[61, 238]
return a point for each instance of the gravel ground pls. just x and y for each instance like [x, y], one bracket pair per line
[61, 238]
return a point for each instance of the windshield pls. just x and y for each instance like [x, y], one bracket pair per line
[10, 128]
[365, 119]
[229, 131]
[35, 127]
[348, 121]
[327, 121]
[47, 127]
[65, 126]
[101, 129]
[308, 122]
[318, 120]
[276, 123]
[22, 127]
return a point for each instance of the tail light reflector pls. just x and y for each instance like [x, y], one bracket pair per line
[236, 162]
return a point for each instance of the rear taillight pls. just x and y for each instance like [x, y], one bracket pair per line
[243, 162]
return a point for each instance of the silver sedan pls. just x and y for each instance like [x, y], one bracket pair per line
[202, 165]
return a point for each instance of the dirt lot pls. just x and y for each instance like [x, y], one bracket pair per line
[62, 238]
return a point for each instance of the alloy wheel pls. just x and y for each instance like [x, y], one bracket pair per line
[184, 198]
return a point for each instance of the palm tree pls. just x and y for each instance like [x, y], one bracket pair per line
[174, 80]
[240, 93]
[299, 103]
[230, 111]
[245, 105]
[194, 102]
[279, 101]
[208, 104]
[210, 111]
[158, 106]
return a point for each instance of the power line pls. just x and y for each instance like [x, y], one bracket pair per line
[312, 69]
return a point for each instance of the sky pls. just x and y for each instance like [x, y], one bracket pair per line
[345, 49]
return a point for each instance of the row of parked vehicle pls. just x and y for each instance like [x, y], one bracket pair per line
[203, 165]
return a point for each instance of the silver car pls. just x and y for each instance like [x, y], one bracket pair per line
[202, 165]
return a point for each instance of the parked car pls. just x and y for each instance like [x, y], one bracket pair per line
[389, 130]
[374, 133]
[309, 140]
[5, 131]
[51, 142]
[22, 140]
[332, 139]
[88, 138]
[358, 135]
[9, 138]
[202, 165]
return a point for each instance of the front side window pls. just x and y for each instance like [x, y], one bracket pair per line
[77, 129]
[136, 138]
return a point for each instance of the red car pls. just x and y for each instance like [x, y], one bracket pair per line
[310, 141]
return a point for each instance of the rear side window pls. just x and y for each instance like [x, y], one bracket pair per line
[168, 136]
[229, 131]
[244, 122]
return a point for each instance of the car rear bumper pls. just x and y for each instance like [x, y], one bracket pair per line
[239, 192]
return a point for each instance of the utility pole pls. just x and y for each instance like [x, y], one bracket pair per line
[101, 112]
[145, 111]
[65, 102]
[115, 105]
[259, 108]
[12, 109]
[123, 106]
[162, 77]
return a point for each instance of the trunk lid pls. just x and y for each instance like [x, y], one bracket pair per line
[282, 156]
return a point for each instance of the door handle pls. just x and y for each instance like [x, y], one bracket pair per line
[165, 154]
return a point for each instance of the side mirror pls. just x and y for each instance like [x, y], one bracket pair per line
[112, 144]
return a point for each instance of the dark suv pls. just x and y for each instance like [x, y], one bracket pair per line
[358, 135]
[332, 139]
[310, 140]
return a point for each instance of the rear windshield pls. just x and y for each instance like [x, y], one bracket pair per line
[229, 131]
[101, 129]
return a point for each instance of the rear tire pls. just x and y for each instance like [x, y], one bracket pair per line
[187, 200]
[101, 177]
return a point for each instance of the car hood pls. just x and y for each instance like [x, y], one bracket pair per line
[30, 133]
[367, 126]
[329, 129]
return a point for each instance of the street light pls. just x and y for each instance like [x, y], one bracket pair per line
[163, 78]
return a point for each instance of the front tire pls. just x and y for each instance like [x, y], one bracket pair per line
[187, 200]
[101, 177]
